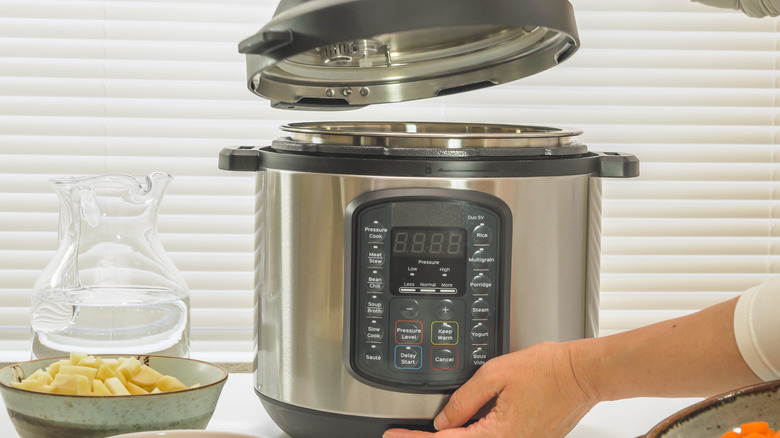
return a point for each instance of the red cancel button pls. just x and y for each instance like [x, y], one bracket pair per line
[444, 358]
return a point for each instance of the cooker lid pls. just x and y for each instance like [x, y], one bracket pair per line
[429, 139]
[341, 54]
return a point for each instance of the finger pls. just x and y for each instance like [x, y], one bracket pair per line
[468, 399]
[471, 432]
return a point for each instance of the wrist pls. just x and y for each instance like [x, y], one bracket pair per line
[587, 363]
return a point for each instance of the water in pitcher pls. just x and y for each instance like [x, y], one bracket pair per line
[110, 320]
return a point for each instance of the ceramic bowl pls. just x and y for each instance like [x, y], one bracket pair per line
[717, 415]
[186, 434]
[41, 415]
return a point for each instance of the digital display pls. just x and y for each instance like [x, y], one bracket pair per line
[428, 242]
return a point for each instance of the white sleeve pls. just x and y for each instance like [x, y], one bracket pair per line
[757, 329]
[751, 8]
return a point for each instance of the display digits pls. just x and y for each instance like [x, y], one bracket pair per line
[430, 242]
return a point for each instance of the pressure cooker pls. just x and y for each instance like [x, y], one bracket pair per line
[394, 258]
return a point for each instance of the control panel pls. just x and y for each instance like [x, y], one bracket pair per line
[427, 286]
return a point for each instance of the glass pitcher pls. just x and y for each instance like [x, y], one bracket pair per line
[110, 288]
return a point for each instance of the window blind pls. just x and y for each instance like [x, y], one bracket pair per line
[91, 86]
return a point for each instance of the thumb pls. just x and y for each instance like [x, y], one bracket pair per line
[468, 399]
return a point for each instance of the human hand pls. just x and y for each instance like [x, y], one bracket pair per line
[537, 393]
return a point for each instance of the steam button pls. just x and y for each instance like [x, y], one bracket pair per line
[482, 234]
[480, 309]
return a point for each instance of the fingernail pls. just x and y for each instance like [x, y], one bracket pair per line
[440, 422]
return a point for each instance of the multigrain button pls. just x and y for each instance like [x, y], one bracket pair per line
[479, 334]
[480, 309]
[481, 259]
[482, 234]
[409, 308]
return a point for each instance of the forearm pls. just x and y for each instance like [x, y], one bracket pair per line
[696, 355]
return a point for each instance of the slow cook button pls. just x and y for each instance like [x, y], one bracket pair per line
[480, 309]
[375, 308]
[408, 357]
[373, 356]
[480, 334]
[408, 332]
[375, 232]
[444, 358]
[375, 332]
[479, 357]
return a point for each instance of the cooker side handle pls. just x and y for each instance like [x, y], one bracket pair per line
[618, 165]
[242, 158]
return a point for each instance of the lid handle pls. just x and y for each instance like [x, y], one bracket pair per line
[618, 165]
[242, 158]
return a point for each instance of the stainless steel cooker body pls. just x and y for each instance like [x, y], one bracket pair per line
[314, 369]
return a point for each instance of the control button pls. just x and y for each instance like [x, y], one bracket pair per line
[375, 231]
[408, 332]
[479, 357]
[481, 284]
[445, 309]
[375, 282]
[444, 358]
[408, 357]
[409, 308]
[375, 308]
[480, 309]
[373, 356]
[481, 259]
[482, 234]
[376, 257]
[375, 332]
[444, 333]
[479, 334]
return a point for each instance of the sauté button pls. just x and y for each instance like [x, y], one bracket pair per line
[445, 309]
[479, 334]
[480, 309]
[482, 234]
[408, 357]
[373, 356]
[479, 357]
[409, 308]
[444, 358]
[408, 332]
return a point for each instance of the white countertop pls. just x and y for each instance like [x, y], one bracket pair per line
[239, 410]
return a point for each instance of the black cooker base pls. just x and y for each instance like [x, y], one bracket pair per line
[300, 422]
